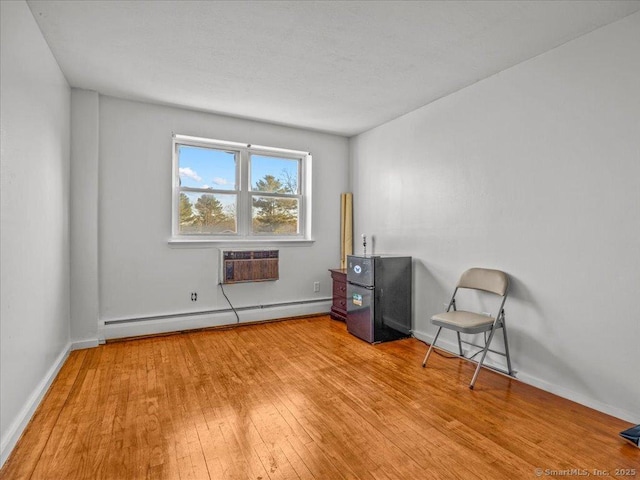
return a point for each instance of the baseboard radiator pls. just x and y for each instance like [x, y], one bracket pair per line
[217, 311]
[239, 266]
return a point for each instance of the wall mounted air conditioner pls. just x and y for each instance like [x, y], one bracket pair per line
[240, 266]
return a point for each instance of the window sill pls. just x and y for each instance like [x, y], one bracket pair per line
[241, 243]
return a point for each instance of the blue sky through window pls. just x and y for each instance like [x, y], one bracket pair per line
[207, 168]
[216, 169]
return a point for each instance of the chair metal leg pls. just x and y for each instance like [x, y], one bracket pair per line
[506, 345]
[426, 357]
[484, 354]
[459, 344]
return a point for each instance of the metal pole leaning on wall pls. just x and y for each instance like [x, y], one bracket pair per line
[346, 227]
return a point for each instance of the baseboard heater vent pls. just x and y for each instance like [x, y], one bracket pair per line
[240, 266]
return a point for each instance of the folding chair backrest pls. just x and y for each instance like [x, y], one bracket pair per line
[494, 281]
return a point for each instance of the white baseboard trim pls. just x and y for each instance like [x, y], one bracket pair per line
[542, 384]
[82, 344]
[21, 421]
[579, 398]
[184, 322]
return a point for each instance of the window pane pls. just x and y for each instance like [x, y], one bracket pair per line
[274, 215]
[274, 175]
[207, 213]
[207, 168]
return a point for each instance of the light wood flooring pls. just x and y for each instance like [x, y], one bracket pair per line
[303, 399]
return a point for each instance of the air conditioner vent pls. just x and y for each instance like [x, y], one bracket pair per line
[249, 265]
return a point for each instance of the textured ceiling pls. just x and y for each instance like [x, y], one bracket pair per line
[341, 67]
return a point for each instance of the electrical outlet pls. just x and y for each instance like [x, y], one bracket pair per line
[316, 286]
[194, 296]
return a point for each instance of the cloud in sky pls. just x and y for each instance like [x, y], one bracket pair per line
[220, 181]
[187, 172]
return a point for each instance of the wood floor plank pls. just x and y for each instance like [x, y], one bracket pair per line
[301, 399]
[23, 460]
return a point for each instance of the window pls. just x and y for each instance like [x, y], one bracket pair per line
[226, 190]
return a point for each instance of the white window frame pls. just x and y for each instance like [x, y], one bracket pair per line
[244, 193]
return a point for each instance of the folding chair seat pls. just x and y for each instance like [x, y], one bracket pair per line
[494, 282]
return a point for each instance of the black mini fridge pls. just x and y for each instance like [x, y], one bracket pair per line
[379, 297]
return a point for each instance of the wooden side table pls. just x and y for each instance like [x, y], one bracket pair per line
[339, 306]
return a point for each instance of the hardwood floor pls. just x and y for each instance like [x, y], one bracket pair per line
[303, 399]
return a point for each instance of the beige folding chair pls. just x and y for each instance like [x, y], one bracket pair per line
[461, 321]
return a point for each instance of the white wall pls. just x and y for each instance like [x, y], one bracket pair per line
[34, 326]
[84, 217]
[536, 171]
[141, 275]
